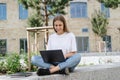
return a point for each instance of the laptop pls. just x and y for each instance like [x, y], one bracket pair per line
[52, 56]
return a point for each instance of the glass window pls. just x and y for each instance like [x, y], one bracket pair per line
[82, 44]
[78, 9]
[23, 45]
[85, 30]
[23, 13]
[3, 46]
[107, 40]
[105, 10]
[3, 11]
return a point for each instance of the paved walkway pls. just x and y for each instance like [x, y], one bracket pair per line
[89, 58]
[109, 71]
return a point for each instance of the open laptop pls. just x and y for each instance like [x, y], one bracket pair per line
[52, 56]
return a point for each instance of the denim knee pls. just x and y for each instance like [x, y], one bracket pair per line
[78, 57]
[34, 59]
[38, 61]
[71, 62]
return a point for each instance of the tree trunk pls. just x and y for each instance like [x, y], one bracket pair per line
[46, 24]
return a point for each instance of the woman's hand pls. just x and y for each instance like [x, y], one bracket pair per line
[69, 54]
[65, 56]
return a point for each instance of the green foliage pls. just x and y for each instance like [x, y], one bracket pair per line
[57, 6]
[24, 66]
[2, 64]
[111, 3]
[2, 42]
[13, 63]
[44, 9]
[35, 21]
[24, 2]
[99, 23]
[1, 55]
[25, 61]
[2, 67]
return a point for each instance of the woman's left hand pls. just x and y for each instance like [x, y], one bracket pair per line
[69, 54]
[65, 56]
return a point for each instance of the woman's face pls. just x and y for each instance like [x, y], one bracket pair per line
[59, 27]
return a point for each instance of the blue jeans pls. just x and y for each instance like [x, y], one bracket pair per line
[70, 63]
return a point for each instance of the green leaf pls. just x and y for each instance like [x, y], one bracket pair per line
[99, 23]
[39, 6]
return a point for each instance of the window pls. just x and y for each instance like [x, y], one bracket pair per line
[85, 30]
[78, 9]
[107, 40]
[105, 10]
[23, 13]
[3, 11]
[82, 44]
[23, 45]
[3, 46]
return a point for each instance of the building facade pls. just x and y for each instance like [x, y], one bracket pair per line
[13, 23]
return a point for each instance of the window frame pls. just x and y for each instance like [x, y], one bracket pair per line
[108, 42]
[3, 46]
[23, 13]
[85, 30]
[78, 6]
[82, 46]
[105, 10]
[3, 14]
[25, 47]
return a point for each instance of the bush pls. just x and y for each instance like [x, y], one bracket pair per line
[13, 63]
[2, 67]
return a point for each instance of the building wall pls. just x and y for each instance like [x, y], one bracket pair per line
[76, 24]
[13, 29]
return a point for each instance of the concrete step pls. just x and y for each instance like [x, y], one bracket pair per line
[109, 71]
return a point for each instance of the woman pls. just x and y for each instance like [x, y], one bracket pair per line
[61, 39]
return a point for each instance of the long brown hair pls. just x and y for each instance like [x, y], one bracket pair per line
[62, 19]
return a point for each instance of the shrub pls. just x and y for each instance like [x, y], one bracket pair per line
[2, 67]
[13, 63]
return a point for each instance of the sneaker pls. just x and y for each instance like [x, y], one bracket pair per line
[64, 71]
[41, 72]
[71, 70]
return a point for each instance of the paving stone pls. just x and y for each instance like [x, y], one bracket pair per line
[109, 71]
